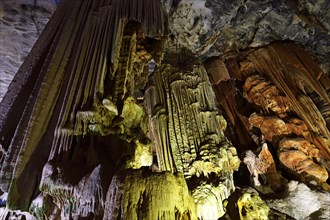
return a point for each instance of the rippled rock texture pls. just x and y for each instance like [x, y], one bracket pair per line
[69, 117]
[268, 97]
[188, 133]
[131, 109]
[73, 120]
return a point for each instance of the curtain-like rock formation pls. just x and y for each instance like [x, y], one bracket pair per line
[188, 133]
[79, 122]
[71, 105]
[105, 120]
[280, 84]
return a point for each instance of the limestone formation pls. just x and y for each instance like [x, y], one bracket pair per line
[247, 204]
[250, 206]
[277, 94]
[272, 126]
[190, 139]
[81, 124]
[129, 109]
[266, 178]
[302, 157]
[295, 77]
[78, 84]
[297, 154]
[161, 195]
[209, 198]
[226, 96]
[188, 132]
[218, 28]
[259, 91]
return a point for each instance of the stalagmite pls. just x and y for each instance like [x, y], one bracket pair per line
[83, 120]
[251, 206]
[247, 204]
[146, 198]
[114, 116]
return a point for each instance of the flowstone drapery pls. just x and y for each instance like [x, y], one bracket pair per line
[70, 119]
[185, 123]
[188, 133]
[278, 95]
[74, 128]
[113, 116]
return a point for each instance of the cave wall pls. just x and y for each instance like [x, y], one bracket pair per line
[119, 102]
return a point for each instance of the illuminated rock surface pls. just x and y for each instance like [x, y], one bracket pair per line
[152, 196]
[76, 113]
[247, 204]
[123, 111]
[263, 168]
[188, 133]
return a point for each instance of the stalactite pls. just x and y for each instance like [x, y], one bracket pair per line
[37, 114]
[294, 75]
[323, 106]
[188, 132]
[226, 97]
[194, 126]
[74, 128]
[280, 90]
[76, 102]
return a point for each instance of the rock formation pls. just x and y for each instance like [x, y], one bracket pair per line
[78, 105]
[148, 200]
[130, 109]
[188, 131]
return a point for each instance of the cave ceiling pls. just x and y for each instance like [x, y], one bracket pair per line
[206, 28]
[164, 109]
